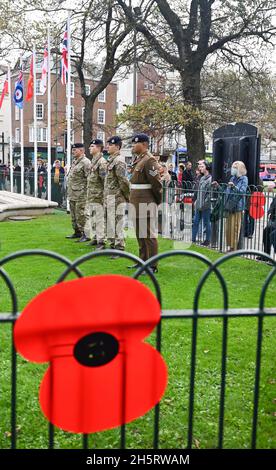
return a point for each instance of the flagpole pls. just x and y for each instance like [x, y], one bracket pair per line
[68, 163]
[10, 127]
[22, 134]
[49, 137]
[69, 95]
[35, 125]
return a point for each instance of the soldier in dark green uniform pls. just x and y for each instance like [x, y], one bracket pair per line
[146, 188]
[116, 194]
[77, 191]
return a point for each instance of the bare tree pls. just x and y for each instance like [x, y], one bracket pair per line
[188, 34]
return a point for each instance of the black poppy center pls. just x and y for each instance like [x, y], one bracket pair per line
[96, 349]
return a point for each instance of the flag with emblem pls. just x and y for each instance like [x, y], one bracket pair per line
[5, 91]
[18, 91]
[64, 58]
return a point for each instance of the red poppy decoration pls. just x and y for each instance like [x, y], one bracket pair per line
[91, 330]
[257, 203]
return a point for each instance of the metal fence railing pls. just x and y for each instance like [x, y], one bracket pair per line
[195, 315]
[256, 230]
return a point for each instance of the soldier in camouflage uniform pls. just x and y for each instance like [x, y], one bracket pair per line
[95, 194]
[77, 190]
[116, 193]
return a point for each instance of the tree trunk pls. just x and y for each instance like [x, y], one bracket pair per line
[88, 124]
[191, 93]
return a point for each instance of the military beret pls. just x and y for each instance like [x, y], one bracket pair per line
[140, 138]
[77, 146]
[96, 142]
[115, 139]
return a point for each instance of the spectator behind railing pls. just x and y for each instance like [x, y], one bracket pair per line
[269, 232]
[203, 204]
[172, 173]
[180, 174]
[57, 182]
[188, 174]
[234, 203]
[164, 173]
[3, 176]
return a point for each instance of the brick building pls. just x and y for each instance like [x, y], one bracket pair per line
[150, 84]
[103, 117]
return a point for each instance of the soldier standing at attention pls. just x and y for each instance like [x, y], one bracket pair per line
[77, 191]
[146, 188]
[116, 193]
[95, 194]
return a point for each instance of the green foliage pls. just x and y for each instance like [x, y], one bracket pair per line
[159, 117]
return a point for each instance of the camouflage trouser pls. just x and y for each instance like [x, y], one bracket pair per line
[78, 215]
[97, 222]
[115, 225]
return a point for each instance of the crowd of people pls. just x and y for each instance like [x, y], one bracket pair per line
[210, 200]
[58, 180]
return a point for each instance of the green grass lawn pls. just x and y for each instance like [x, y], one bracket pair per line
[178, 278]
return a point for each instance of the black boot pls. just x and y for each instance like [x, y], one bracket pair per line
[83, 238]
[134, 266]
[100, 246]
[74, 235]
[93, 243]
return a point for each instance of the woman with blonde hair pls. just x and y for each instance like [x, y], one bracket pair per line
[235, 203]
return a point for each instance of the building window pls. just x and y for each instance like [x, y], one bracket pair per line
[71, 112]
[207, 146]
[17, 136]
[101, 135]
[39, 110]
[72, 90]
[38, 83]
[146, 86]
[101, 97]
[82, 114]
[87, 90]
[101, 116]
[151, 86]
[41, 133]
[17, 113]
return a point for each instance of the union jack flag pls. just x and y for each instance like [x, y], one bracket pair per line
[64, 58]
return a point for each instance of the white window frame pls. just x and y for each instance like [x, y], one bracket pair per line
[102, 96]
[82, 114]
[151, 87]
[16, 113]
[86, 88]
[40, 117]
[98, 114]
[38, 91]
[17, 135]
[101, 135]
[42, 134]
[146, 86]
[72, 112]
[72, 90]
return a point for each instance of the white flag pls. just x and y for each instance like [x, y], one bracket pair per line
[43, 83]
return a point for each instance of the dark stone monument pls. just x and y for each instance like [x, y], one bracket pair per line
[233, 142]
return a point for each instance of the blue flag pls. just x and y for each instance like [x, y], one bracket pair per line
[18, 92]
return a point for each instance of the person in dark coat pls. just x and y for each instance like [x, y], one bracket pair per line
[188, 176]
[57, 182]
